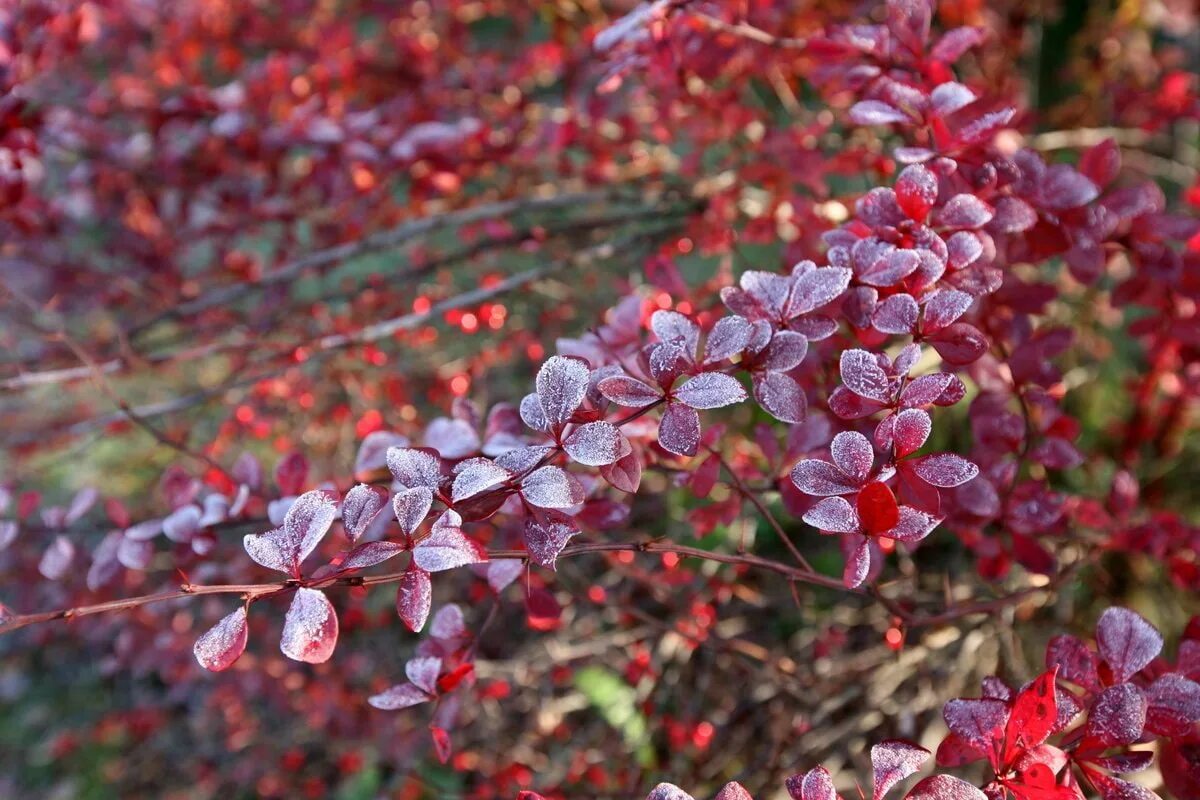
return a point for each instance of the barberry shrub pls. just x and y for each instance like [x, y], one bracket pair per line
[899, 368]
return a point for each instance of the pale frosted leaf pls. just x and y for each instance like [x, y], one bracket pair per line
[308, 520]
[359, 507]
[452, 438]
[545, 539]
[781, 396]
[834, 515]
[423, 673]
[892, 761]
[478, 475]
[222, 644]
[552, 487]
[448, 623]
[502, 572]
[852, 454]
[310, 629]
[411, 467]
[711, 390]
[57, 558]
[668, 791]
[411, 506]
[945, 787]
[821, 479]
[372, 453]
[945, 470]
[447, 547]
[182, 523]
[862, 375]
[401, 696]
[679, 430]
[626, 391]
[595, 444]
[562, 384]
[1127, 642]
[672, 326]
[727, 338]
[370, 554]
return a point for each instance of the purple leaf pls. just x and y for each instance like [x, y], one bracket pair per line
[1174, 704]
[134, 553]
[626, 391]
[963, 249]
[360, 506]
[926, 389]
[414, 597]
[1075, 660]
[546, 538]
[8, 532]
[893, 761]
[291, 472]
[596, 444]
[945, 787]
[862, 375]
[552, 487]
[532, 414]
[625, 473]
[816, 288]
[913, 525]
[222, 644]
[448, 623]
[979, 723]
[81, 503]
[370, 554]
[679, 430]
[447, 547]
[668, 791]
[781, 396]
[1118, 715]
[959, 343]
[891, 268]
[711, 390]
[1013, 215]
[812, 785]
[897, 314]
[1064, 187]
[411, 506]
[1127, 642]
[727, 338]
[943, 308]
[310, 629]
[562, 383]
[786, 350]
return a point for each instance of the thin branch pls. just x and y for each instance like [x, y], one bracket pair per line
[745, 30]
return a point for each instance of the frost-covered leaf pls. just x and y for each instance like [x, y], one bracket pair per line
[726, 339]
[310, 629]
[414, 597]
[545, 538]
[875, 112]
[403, 695]
[916, 191]
[853, 455]
[781, 396]
[448, 623]
[833, 515]
[1127, 642]
[668, 791]
[910, 431]
[222, 644]
[452, 438]
[945, 470]
[821, 479]
[862, 375]
[412, 467]
[475, 476]
[897, 314]
[182, 523]
[596, 444]
[411, 506]
[360, 506]
[711, 390]
[679, 430]
[1118, 715]
[552, 487]
[562, 384]
[502, 572]
[371, 553]
[447, 547]
[979, 723]
[816, 784]
[733, 791]
[672, 326]
[892, 761]
[965, 211]
[945, 787]
[629, 392]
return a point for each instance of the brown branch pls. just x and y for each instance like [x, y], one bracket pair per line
[745, 30]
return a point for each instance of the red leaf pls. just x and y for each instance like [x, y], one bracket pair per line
[1033, 716]
[877, 508]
